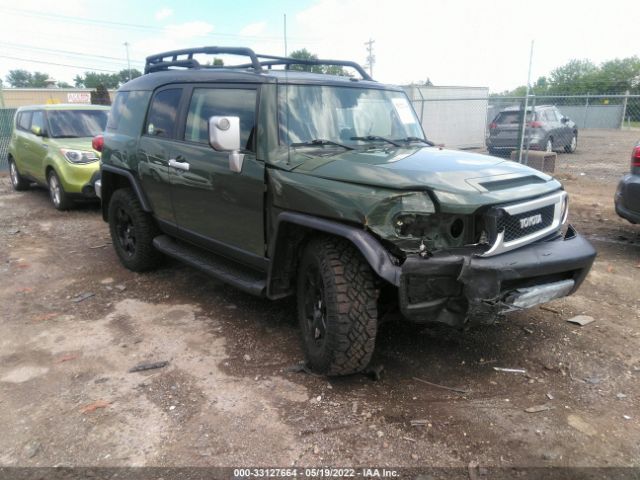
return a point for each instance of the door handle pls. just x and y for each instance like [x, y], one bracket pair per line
[179, 165]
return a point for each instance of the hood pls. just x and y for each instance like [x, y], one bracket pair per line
[451, 171]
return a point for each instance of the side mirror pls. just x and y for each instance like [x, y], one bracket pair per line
[564, 119]
[224, 136]
[37, 131]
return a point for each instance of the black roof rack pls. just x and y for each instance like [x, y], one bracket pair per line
[162, 61]
[184, 58]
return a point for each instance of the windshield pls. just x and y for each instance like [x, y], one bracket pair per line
[76, 123]
[347, 115]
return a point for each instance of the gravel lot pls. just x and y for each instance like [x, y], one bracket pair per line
[228, 396]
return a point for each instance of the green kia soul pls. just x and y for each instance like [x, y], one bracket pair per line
[52, 145]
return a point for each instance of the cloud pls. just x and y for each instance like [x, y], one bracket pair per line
[464, 42]
[163, 13]
[254, 29]
[188, 30]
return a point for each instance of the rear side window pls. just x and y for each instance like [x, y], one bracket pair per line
[549, 116]
[210, 102]
[24, 120]
[127, 112]
[37, 120]
[163, 114]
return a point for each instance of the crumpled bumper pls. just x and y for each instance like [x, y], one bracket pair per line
[461, 287]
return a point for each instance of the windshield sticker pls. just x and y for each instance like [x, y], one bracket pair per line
[403, 109]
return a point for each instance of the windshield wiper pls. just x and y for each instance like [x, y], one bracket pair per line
[321, 142]
[376, 138]
[416, 139]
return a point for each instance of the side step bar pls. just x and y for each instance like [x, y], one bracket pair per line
[220, 268]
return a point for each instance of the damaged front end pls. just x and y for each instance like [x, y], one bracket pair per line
[462, 286]
[460, 269]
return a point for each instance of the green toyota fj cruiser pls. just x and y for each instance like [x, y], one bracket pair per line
[281, 181]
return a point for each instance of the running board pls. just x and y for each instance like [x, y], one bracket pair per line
[220, 268]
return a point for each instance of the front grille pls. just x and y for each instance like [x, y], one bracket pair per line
[513, 227]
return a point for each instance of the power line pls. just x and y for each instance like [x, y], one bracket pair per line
[108, 23]
[69, 52]
[59, 64]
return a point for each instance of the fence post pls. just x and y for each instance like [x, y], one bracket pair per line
[624, 108]
[586, 111]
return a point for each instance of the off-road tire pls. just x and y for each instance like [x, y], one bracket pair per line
[132, 232]
[18, 182]
[58, 196]
[349, 296]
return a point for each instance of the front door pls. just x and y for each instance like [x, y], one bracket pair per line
[214, 206]
[156, 148]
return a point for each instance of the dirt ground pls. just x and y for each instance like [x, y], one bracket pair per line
[228, 396]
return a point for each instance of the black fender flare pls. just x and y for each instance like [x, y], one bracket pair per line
[371, 249]
[133, 181]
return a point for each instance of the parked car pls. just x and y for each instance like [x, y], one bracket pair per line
[627, 198]
[286, 182]
[546, 129]
[52, 145]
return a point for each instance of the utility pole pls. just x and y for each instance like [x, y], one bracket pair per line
[285, 34]
[526, 105]
[126, 46]
[371, 59]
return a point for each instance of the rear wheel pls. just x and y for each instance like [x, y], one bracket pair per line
[18, 182]
[337, 307]
[573, 145]
[132, 232]
[59, 197]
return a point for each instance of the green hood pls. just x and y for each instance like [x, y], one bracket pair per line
[458, 179]
[417, 169]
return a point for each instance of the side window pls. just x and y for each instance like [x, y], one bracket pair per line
[128, 111]
[117, 110]
[559, 115]
[163, 114]
[24, 120]
[549, 116]
[37, 120]
[231, 102]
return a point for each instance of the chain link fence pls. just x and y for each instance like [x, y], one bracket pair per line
[6, 126]
[607, 126]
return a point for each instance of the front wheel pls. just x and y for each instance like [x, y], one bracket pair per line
[59, 197]
[337, 307]
[132, 232]
[573, 145]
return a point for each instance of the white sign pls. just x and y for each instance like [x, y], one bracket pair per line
[79, 97]
[403, 109]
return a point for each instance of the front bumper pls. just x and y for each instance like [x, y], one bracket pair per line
[461, 287]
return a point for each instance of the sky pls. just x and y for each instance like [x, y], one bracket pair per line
[464, 42]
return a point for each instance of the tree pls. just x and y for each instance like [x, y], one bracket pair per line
[93, 79]
[100, 96]
[62, 84]
[305, 54]
[123, 75]
[581, 77]
[107, 80]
